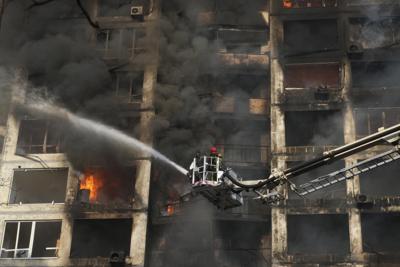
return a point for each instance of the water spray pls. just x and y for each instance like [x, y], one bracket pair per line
[55, 112]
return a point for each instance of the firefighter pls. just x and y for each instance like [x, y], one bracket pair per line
[213, 151]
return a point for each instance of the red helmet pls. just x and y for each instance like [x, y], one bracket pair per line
[213, 150]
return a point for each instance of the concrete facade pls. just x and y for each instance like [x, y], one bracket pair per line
[277, 231]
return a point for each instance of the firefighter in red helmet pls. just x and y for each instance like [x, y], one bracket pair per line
[213, 151]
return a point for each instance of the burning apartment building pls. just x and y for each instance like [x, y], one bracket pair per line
[270, 83]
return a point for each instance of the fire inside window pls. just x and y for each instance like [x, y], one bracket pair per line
[119, 43]
[309, 3]
[109, 186]
[128, 86]
[38, 136]
[31, 239]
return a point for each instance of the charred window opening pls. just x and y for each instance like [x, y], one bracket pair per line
[309, 3]
[313, 75]
[98, 238]
[365, 33]
[121, 7]
[31, 239]
[107, 186]
[380, 232]
[381, 181]
[39, 186]
[313, 128]
[318, 234]
[368, 121]
[251, 247]
[239, 40]
[128, 86]
[377, 74]
[120, 43]
[332, 192]
[311, 36]
[38, 136]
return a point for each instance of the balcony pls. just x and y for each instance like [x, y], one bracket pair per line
[306, 96]
[296, 4]
[307, 149]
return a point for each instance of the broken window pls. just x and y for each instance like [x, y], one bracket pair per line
[382, 181]
[318, 234]
[38, 136]
[120, 43]
[365, 33]
[368, 121]
[377, 74]
[31, 239]
[312, 75]
[337, 190]
[313, 128]
[128, 86]
[380, 232]
[98, 238]
[311, 36]
[113, 185]
[309, 3]
[39, 186]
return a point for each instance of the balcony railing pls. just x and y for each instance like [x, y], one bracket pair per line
[305, 95]
[308, 149]
[244, 153]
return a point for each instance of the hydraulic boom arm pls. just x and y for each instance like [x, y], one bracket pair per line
[213, 180]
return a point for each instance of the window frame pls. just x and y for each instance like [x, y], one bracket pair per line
[27, 148]
[105, 49]
[133, 95]
[31, 240]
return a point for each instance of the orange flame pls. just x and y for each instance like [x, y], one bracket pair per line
[93, 185]
[170, 210]
[287, 4]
